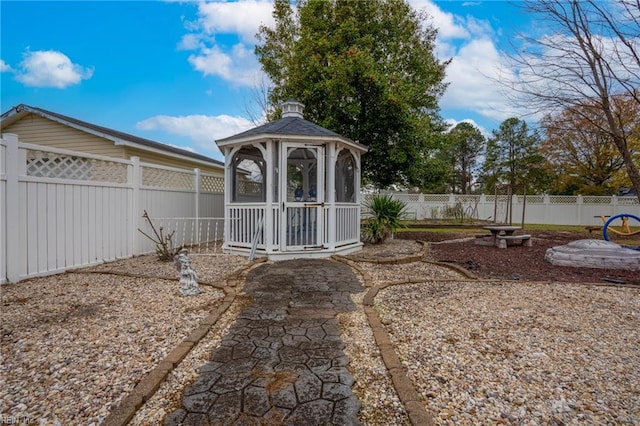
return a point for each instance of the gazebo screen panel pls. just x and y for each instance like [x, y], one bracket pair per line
[276, 170]
[249, 176]
[345, 177]
[302, 175]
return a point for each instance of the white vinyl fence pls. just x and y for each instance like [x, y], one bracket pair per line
[61, 210]
[538, 209]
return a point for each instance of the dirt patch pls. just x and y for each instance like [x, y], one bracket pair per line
[517, 262]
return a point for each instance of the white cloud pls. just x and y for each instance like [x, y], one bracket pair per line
[472, 75]
[203, 130]
[242, 17]
[237, 65]
[476, 63]
[5, 67]
[449, 25]
[190, 42]
[451, 122]
[236, 62]
[561, 55]
[49, 68]
[479, 28]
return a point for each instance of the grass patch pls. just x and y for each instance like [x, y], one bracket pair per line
[443, 230]
[557, 228]
[474, 228]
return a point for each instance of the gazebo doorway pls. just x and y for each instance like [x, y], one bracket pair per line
[304, 202]
[291, 189]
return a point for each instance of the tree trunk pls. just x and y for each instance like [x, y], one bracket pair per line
[621, 143]
[632, 169]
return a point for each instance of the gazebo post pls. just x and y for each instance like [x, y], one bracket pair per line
[228, 188]
[330, 190]
[268, 214]
[358, 188]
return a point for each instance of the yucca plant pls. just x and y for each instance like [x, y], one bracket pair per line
[387, 215]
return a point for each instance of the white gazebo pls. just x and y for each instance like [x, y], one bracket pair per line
[292, 189]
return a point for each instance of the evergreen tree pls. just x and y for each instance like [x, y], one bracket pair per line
[366, 70]
[513, 158]
[465, 143]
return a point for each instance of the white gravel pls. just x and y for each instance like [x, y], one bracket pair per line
[74, 345]
[169, 396]
[523, 353]
[380, 404]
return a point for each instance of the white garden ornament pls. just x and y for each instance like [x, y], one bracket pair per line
[188, 284]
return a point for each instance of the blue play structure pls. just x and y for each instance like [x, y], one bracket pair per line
[624, 229]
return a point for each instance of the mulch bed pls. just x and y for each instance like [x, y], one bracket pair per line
[517, 262]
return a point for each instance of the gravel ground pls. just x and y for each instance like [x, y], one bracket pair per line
[169, 396]
[380, 404]
[522, 353]
[505, 352]
[73, 345]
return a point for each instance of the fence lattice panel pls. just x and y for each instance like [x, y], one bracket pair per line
[212, 184]
[63, 166]
[162, 178]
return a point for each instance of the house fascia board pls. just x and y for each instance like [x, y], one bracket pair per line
[130, 144]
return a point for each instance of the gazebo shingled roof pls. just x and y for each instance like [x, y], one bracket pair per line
[286, 126]
[290, 126]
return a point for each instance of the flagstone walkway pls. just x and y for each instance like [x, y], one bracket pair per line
[282, 362]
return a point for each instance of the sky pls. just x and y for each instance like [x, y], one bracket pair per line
[184, 73]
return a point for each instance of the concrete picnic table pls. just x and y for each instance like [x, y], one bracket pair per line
[501, 233]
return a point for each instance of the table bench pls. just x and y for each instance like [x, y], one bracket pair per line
[484, 240]
[504, 240]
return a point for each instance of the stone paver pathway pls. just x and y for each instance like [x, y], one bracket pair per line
[282, 362]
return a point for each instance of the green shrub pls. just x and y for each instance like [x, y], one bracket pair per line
[387, 214]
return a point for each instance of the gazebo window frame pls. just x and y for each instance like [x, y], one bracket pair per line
[249, 153]
[345, 157]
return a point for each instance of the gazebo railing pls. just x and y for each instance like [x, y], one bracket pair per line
[347, 224]
[276, 224]
[245, 228]
[244, 223]
[302, 226]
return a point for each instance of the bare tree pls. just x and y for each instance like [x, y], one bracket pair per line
[259, 109]
[590, 56]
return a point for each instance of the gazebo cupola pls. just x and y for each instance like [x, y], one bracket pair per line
[292, 189]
